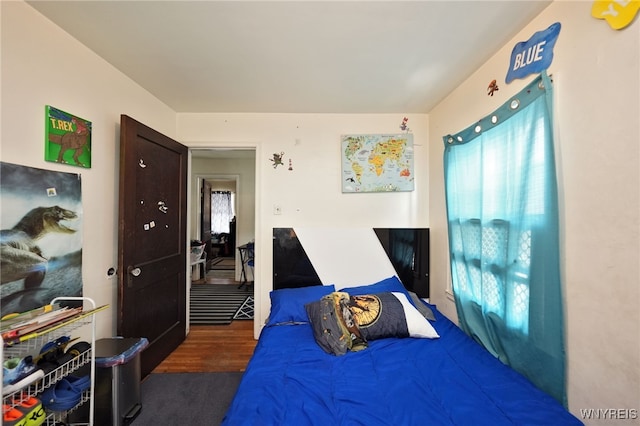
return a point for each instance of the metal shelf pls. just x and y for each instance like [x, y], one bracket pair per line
[32, 346]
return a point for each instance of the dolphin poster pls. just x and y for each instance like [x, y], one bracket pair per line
[40, 237]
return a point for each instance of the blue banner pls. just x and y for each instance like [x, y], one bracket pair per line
[534, 55]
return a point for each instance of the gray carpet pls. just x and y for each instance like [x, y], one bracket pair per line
[186, 398]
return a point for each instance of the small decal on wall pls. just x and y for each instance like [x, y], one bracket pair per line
[534, 55]
[67, 138]
[403, 125]
[617, 13]
[277, 159]
[493, 87]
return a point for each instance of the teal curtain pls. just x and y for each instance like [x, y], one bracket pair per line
[502, 212]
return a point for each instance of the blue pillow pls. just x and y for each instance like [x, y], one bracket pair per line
[287, 304]
[390, 284]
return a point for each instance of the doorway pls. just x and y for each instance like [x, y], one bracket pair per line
[228, 169]
[215, 220]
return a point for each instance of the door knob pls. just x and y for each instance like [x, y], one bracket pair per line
[131, 273]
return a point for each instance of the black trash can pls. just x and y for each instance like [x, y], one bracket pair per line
[117, 385]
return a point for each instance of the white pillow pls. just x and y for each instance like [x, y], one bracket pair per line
[417, 324]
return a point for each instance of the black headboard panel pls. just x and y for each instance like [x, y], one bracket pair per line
[291, 265]
[408, 251]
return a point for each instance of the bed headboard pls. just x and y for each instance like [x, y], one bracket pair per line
[407, 250]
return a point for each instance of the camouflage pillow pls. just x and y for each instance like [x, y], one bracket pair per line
[333, 326]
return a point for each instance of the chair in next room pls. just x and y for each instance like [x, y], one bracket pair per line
[247, 257]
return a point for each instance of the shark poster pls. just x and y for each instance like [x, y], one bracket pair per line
[40, 237]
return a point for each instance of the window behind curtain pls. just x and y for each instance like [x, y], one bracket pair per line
[222, 211]
[502, 209]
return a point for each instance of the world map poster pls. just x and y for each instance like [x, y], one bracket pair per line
[377, 163]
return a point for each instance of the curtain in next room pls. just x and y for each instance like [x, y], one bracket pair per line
[221, 211]
[502, 211]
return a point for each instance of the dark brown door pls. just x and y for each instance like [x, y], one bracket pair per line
[152, 240]
[205, 217]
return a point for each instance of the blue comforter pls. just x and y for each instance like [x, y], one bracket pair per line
[452, 380]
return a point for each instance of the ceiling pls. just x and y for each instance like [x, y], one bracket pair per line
[295, 56]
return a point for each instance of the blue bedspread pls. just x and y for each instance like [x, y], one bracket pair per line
[452, 380]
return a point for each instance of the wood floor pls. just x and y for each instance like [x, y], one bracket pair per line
[212, 348]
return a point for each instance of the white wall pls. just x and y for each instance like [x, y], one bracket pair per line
[311, 194]
[42, 65]
[597, 90]
[596, 72]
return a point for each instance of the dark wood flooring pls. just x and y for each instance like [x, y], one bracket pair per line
[212, 348]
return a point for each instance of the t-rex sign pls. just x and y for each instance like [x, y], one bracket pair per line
[68, 138]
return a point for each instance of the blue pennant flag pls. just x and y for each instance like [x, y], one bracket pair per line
[534, 55]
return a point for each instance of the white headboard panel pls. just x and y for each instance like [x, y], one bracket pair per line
[346, 257]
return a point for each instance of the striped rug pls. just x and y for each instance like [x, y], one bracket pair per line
[245, 312]
[216, 304]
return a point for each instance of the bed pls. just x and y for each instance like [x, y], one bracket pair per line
[293, 377]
